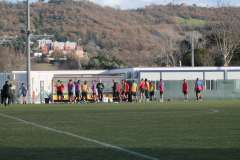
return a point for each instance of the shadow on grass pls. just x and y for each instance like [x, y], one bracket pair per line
[109, 154]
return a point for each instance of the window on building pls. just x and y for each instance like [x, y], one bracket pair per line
[157, 85]
[135, 75]
[129, 75]
[211, 85]
[237, 84]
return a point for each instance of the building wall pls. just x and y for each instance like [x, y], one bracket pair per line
[182, 75]
[233, 75]
[154, 76]
[214, 75]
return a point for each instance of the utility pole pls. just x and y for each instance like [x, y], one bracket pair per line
[79, 59]
[192, 40]
[29, 53]
[29, 35]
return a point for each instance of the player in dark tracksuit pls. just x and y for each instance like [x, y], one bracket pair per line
[2, 98]
[100, 88]
[6, 93]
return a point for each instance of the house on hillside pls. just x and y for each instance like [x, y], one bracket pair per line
[45, 45]
[58, 51]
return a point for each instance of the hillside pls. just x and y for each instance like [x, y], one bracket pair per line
[136, 37]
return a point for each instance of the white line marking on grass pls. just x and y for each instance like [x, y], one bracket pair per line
[214, 111]
[140, 155]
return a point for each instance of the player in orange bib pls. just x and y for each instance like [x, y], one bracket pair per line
[134, 90]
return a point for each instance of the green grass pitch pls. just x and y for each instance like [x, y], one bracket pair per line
[166, 131]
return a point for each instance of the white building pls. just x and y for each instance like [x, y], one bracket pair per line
[180, 73]
[58, 45]
[43, 42]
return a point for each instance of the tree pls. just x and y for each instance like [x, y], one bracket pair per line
[10, 60]
[104, 62]
[167, 53]
[226, 32]
[57, 55]
[201, 58]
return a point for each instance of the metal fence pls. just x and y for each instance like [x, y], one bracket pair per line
[213, 89]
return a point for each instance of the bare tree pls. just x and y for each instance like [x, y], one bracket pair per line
[167, 54]
[10, 60]
[171, 48]
[226, 31]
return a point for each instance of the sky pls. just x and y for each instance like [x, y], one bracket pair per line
[133, 4]
[129, 4]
